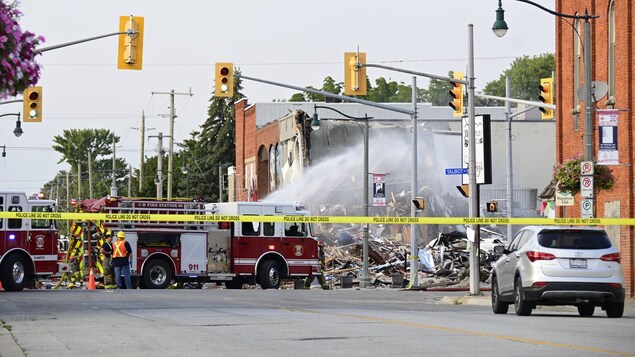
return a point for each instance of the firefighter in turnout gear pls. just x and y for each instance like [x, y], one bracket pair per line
[106, 251]
[321, 262]
[121, 252]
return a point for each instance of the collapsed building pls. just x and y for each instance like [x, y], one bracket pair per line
[279, 157]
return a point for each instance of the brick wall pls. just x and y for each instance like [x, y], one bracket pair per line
[569, 142]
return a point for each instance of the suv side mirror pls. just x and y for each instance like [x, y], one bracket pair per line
[499, 249]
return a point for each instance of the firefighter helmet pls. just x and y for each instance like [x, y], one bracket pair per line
[108, 233]
[121, 235]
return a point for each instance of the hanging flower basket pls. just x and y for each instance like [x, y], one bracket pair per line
[18, 69]
[567, 174]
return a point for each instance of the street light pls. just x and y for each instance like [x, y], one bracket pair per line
[18, 124]
[185, 171]
[501, 27]
[315, 125]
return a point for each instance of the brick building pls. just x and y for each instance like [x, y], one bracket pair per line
[612, 51]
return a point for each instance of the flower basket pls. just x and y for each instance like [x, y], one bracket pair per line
[18, 69]
[567, 175]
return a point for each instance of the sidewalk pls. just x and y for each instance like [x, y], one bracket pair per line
[8, 347]
[486, 300]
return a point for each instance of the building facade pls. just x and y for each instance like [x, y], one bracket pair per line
[612, 51]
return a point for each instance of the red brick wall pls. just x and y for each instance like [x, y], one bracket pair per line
[570, 142]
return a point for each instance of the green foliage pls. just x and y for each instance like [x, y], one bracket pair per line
[567, 175]
[525, 74]
[78, 147]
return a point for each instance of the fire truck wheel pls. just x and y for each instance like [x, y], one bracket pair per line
[269, 275]
[13, 273]
[157, 274]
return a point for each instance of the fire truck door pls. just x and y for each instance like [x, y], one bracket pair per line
[193, 253]
[16, 229]
[294, 247]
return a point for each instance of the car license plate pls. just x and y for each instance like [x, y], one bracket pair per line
[577, 263]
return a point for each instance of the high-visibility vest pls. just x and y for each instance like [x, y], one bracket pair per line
[119, 249]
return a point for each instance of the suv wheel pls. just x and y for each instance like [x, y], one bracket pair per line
[586, 309]
[498, 306]
[522, 307]
[615, 309]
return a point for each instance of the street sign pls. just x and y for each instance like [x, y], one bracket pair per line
[586, 186]
[456, 171]
[586, 168]
[564, 198]
[587, 208]
[483, 146]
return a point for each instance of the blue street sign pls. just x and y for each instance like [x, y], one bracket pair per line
[457, 171]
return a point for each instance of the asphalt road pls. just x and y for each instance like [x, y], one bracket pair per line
[253, 322]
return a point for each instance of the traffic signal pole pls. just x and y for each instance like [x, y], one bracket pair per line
[50, 48]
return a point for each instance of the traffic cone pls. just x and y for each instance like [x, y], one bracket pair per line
[91, 280]
[1, 288]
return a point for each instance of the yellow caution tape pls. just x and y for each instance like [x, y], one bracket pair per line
[318, 219]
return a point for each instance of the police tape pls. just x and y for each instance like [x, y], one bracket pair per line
[134, 217]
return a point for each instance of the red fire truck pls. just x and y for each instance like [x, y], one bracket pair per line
[230, 251]
[28, 247]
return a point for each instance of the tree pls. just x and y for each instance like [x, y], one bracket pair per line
[18, 69]
[79, 146]
[214, 145]
[525, 74]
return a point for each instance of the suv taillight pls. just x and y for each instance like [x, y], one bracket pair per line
[534, 255]
[613, 257]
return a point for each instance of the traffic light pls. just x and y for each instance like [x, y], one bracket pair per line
[32, 105]
[547, 97]
[224, 79]
[492, 207]
[354, 74]
[130, 49]
[457, 95]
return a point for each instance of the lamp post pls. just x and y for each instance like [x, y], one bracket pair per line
[315, 125]
[500, 29]
[18, 124]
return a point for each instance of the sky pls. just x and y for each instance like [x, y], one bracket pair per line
[292, 42]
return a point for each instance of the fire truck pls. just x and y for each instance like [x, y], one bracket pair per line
[28, 247]
[230, 252]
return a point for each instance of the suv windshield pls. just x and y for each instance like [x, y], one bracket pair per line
[573, 239]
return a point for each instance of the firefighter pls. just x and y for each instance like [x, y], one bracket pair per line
[106, 250]
[121, 252]
[321, 263]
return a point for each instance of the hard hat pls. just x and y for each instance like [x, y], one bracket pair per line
[121, 235]
[109, 233]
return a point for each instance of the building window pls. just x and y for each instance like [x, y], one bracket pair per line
[611, 54]
[272, 169]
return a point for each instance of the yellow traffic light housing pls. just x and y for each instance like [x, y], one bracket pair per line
[130, 49]
[457, 95]
[355, 73]
[224, 79]
[547, 97]
[32, 105]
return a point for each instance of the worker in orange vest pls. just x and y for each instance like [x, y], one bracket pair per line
[121, 252]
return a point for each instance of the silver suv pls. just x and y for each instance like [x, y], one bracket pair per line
[547, 265]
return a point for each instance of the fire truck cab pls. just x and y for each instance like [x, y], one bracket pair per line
[28, 247]
[260, 252]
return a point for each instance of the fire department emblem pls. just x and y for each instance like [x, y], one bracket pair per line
[298, 250]
[39, 242]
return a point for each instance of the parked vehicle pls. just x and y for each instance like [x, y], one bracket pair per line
[558, 266]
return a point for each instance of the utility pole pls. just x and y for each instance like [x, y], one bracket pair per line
[171, 144]
[143, 130]
[159, 179]
[90, 174]
[113, 185]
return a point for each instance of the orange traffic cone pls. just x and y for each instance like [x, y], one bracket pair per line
[1, 288]
[91, 280]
